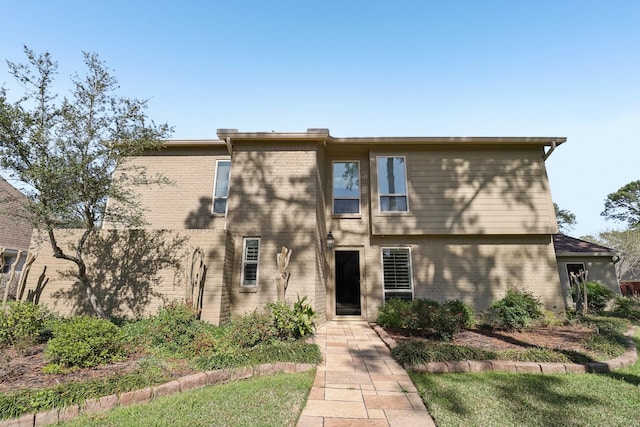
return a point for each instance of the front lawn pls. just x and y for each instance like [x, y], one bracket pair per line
[505, 399]
[274, 400]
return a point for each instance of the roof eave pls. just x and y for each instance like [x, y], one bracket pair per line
[453, 140]
[193, 143]
[586, 254]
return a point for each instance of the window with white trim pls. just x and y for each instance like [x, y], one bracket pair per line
[346, 188]
[221, 187]
[250, 259]
[392, 184]
[396, 272]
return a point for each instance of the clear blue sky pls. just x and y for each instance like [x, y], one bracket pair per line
[369, 68]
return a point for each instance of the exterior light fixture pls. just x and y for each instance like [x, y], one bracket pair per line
[330, 240]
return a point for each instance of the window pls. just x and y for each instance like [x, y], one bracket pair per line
[221, 187]
[392, 184]
[8, 261]
[250, 258]
[346, 188]
[396, 271]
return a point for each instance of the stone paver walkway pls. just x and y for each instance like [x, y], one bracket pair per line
[359, 383]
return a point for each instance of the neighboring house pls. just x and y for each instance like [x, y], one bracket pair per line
[368, 219]
[575, 255]
[630, 284]
[15, 232]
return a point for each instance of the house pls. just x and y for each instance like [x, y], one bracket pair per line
[575, 255]
[15, 234]
[367, 219]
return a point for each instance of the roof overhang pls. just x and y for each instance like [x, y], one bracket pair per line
[321, 134]
[586, 254]
[194, 143]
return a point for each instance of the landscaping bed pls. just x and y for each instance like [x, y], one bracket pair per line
[556, 337]
[24, 371]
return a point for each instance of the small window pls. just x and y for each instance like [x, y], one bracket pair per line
[392, 184]
[396, 272]
[221, 187]
[346, 188]
[8, 261]
[250, 259]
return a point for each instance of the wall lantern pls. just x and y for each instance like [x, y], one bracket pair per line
[330, 240]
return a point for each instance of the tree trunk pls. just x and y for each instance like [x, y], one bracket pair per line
[82, 268]
[93, 299]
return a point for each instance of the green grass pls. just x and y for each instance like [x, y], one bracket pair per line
[505, 399]
[274, 400]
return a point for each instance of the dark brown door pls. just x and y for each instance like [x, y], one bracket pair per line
[347, 283]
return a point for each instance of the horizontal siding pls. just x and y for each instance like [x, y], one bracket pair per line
[469, 192]
[476, 270]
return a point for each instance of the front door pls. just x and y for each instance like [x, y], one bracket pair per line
[347, 283]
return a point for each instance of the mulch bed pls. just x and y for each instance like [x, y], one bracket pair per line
[555, 337]
[25, 371]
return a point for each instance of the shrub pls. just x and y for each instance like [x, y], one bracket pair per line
[517, 309]
[453, 316]
[394, 314]
[84, 341]
[423, 314]
[549, 318]
[292, 323]
[627, 308]
[173, 327]
[24, 324]
[252, 329]
[598, 296]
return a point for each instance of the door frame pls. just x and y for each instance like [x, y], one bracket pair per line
[331, 294]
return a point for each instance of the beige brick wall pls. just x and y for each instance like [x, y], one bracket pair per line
[187, 202]
[273, 197]
[133, 273]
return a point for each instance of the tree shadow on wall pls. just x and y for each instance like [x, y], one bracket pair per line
[125, 269]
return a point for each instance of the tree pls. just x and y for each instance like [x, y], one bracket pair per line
[65, 152]
[624, 205]
[566, 219]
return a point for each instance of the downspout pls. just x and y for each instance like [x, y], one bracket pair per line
[548, 153]
[229, 145]
[230, 150]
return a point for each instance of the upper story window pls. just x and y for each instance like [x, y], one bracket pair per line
[392, 184]
[396, 273]
[346, 188]
[250, 259]
[221, 186]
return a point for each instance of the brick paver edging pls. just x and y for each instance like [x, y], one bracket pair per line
[628, 358]
[189, 382]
